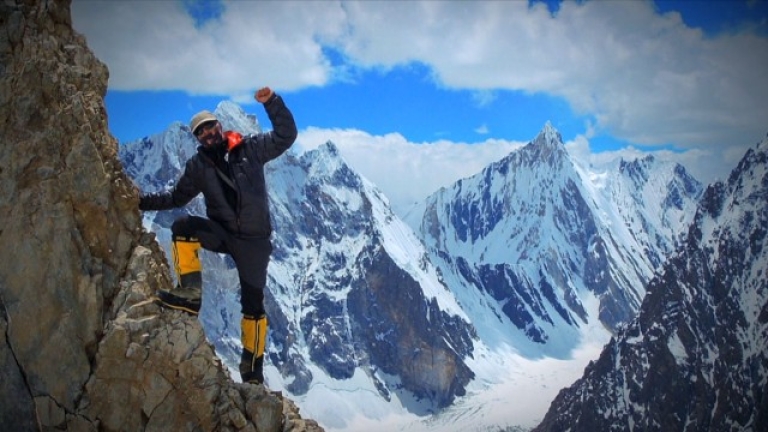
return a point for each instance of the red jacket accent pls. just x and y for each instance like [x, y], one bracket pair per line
[233, 139]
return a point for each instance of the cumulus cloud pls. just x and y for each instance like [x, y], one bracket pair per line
[157, 45]
[640, 76]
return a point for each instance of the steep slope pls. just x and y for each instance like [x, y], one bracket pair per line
[695, 358]
[364, 302]
[81, 348]
[655, 200]
[535, 236]
[351, 297]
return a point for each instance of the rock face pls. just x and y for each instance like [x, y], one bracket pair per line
[82, 347]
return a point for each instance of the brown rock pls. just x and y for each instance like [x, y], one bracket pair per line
[82, 345]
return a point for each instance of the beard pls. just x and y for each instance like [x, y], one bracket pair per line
[213, 139]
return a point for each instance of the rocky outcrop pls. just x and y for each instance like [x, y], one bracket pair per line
[427, 354]
[82, 346]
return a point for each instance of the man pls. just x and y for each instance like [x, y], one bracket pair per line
[229, 171]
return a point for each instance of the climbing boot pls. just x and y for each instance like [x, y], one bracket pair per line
[187, 294]
[186, 299]
[254, 339]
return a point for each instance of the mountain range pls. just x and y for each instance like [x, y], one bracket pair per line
[635, 290]
[696, 356]
[377, 318]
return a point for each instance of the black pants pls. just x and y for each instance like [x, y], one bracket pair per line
[251, 256]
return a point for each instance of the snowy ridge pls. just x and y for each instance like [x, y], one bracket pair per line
[156, 159]
[404, 246]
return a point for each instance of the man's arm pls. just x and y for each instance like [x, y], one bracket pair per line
[156, 201]
[274, 143]
[179, 196]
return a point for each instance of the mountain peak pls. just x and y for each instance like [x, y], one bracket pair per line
[666, 346]
[549, 135]
[329, 153]
[546, 148]
[325, 162]
[233, 117]
[229, 106]
[330, 148]
[763, 144]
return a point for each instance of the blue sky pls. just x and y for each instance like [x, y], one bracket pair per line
[440, 89]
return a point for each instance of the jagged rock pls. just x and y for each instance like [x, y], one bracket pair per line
[82, 346]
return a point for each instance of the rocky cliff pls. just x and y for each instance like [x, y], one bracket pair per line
[81, 345]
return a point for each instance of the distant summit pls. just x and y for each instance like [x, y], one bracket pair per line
[233, 117]
[548, 135]
[539, 238]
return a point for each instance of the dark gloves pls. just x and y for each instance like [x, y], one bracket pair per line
[155, 201]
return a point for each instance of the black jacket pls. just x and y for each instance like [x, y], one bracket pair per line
[246, 212]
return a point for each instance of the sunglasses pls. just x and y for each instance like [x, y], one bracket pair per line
[205, 127]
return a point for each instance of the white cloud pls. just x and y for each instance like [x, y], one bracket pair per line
[155, 45]
[483, 97]
[645, 78]
[407, 172]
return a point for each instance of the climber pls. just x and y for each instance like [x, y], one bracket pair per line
[228, 169]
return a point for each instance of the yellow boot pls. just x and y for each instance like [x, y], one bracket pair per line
[254, 339]
[188, 293]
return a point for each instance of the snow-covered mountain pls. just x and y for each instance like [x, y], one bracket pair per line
[535, 235]
[352, 300]
[696, 356]
[356, 288]
[526, 267]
